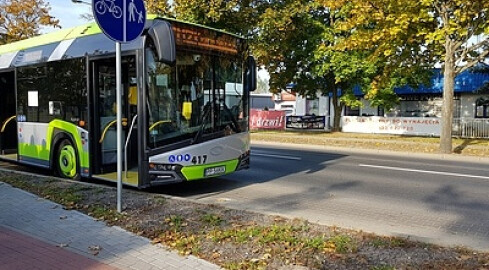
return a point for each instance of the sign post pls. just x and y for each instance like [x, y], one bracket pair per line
[122, 21]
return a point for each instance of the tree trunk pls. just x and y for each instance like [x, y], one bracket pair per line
[448, 90]
[337, 112]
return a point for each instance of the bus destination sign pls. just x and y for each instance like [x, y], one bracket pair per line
[204, 38]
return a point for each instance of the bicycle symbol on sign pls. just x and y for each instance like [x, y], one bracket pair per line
[102, 6]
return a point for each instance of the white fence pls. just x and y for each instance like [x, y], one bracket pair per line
[471, 128]
[418, 126]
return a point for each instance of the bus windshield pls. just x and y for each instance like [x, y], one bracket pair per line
[201, 95]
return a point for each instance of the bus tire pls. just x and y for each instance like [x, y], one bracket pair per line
[67, 161]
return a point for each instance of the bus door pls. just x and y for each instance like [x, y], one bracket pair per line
[104, 124]
[8, 121]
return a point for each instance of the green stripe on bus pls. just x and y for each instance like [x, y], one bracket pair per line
[34, 151]
[197, 172]
[43, 152]
[71, 129]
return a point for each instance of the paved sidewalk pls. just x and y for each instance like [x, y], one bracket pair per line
[45, 236]
[18, 251]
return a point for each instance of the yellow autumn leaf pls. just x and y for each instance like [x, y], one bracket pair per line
[388, 52]
[267, 256]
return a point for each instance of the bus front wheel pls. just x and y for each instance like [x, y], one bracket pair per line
[66, 161]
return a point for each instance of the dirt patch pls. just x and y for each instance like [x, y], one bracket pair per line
[236, 239]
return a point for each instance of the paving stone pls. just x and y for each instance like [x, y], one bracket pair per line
[37, 218]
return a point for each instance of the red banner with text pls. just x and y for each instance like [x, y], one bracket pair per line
[260, 119]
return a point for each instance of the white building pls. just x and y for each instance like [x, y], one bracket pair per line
[471, 106]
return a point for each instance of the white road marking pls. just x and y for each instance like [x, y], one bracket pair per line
[276, 156]
[424, 171]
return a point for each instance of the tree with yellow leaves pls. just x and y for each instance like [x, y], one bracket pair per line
[21, 19]
[297, 41]
[159, 7]
[418, 33]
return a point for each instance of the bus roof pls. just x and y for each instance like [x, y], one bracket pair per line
[47, 47]
[152, 17]
[55, 36]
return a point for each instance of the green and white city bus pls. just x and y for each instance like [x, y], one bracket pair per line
[185, 103]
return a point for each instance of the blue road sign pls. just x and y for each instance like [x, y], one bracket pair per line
[120, 20]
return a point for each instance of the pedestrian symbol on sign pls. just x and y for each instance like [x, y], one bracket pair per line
[132, 10]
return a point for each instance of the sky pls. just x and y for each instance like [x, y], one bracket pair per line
[68, 13]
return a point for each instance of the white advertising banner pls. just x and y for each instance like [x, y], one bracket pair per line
[430, 126]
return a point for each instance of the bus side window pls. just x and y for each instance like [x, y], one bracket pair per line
[55, 108]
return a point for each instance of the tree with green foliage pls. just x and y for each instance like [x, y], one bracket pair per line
[21, 19]
[236, 16]
[302, 42]
[297, 42]
[413, 36]
[285, 36]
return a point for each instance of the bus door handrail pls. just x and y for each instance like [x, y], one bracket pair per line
[107, 126]
[4, 124]
[127, 142]
[158, 123]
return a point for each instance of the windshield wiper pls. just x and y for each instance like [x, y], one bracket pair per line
[236, 128]
[207, 110]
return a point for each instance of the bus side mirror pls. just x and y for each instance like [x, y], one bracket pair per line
[164, 40]
[250, 75]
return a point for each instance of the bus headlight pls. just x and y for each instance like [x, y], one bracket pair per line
[164, 167]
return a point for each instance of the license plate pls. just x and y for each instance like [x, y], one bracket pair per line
[214, 171]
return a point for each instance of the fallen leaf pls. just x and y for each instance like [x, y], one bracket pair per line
[267, 256]
[464, 257]
[215, 255]
[278, 219]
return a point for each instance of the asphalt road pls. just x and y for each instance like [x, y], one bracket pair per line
[429, 199]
